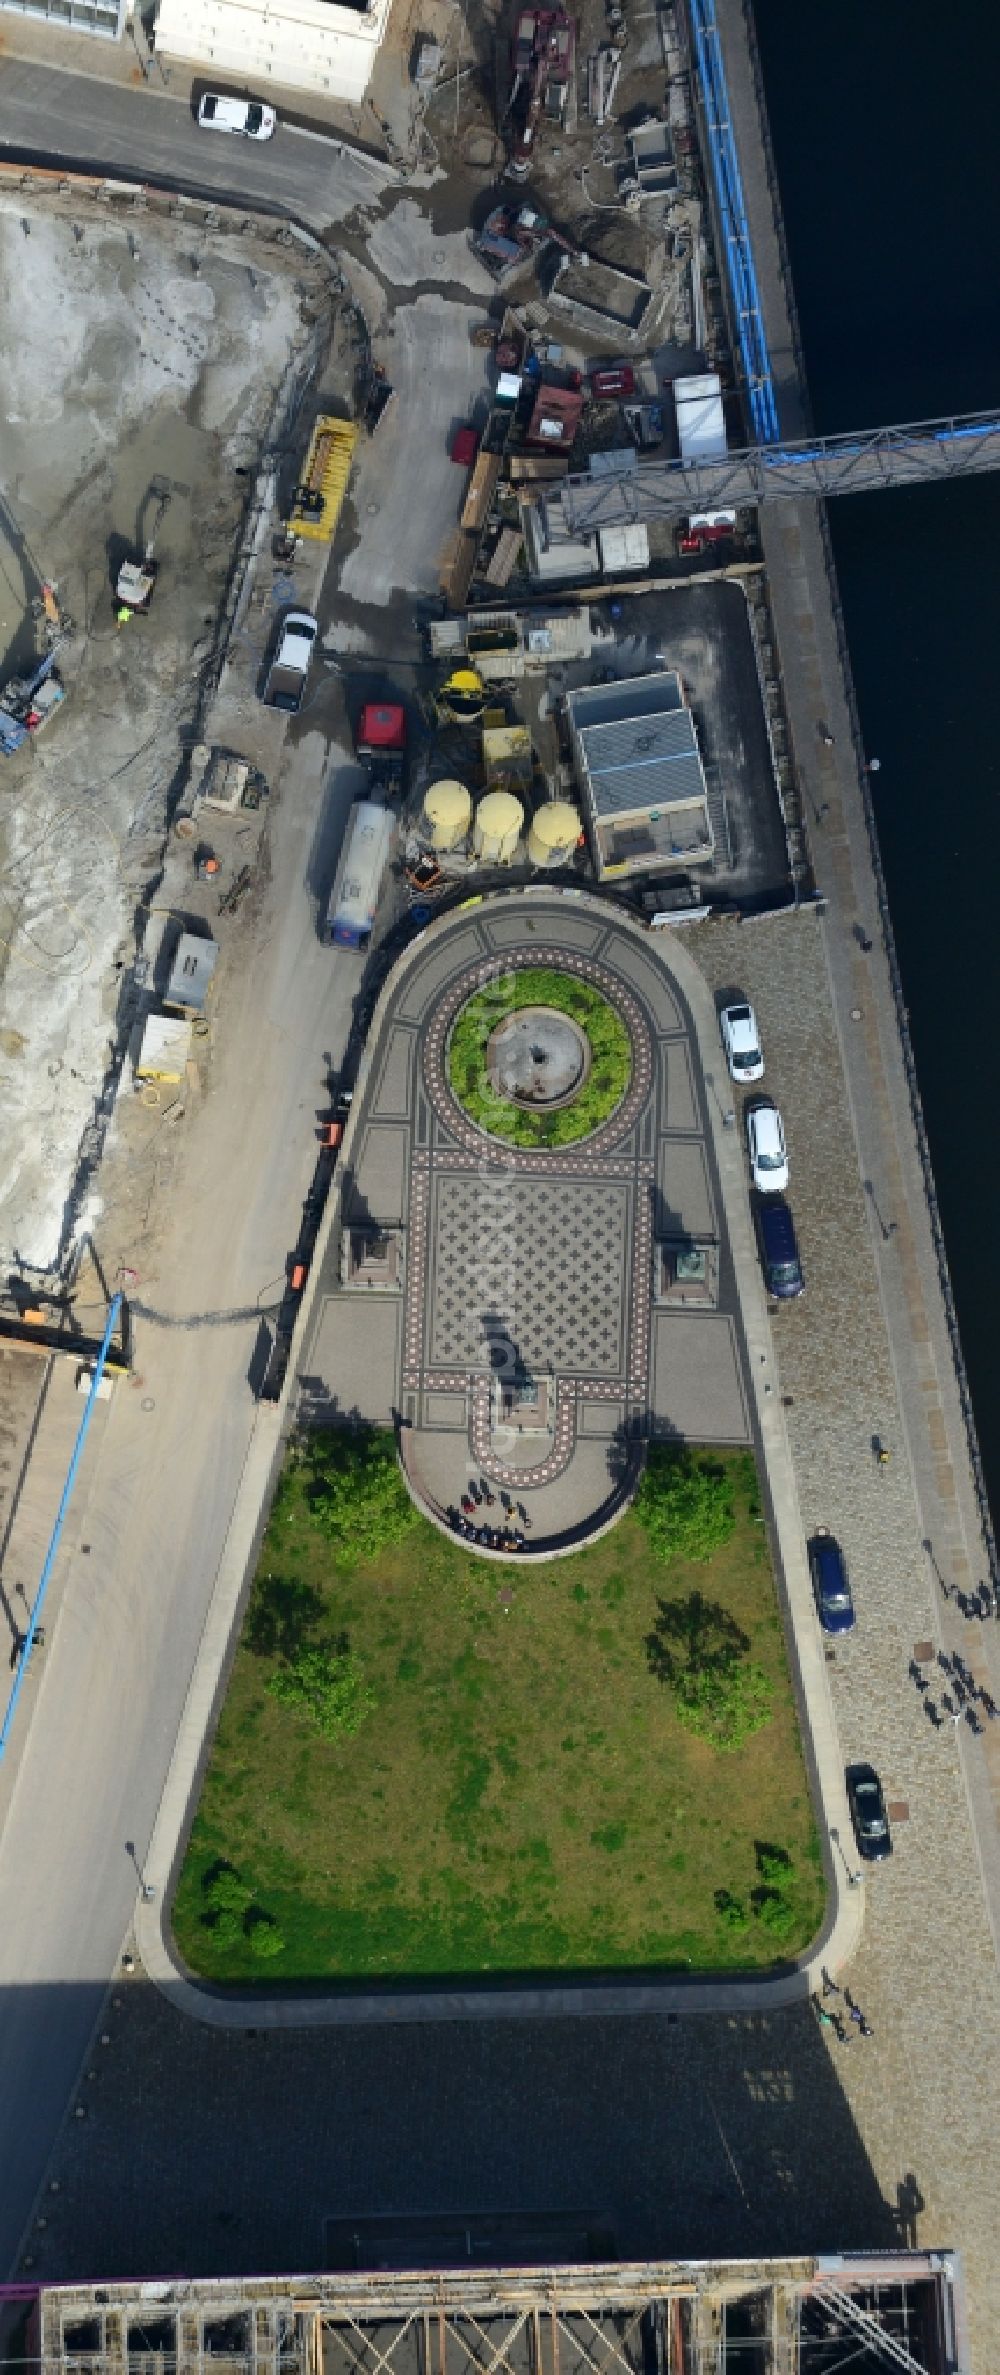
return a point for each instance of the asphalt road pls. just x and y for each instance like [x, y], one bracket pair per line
[51, 117]
[166, 1469]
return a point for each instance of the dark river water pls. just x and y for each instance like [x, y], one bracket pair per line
[886, 128]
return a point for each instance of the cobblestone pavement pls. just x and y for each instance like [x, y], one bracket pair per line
[211, 2153]
[926, 2088]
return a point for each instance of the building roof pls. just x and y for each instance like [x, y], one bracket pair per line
[639, 746]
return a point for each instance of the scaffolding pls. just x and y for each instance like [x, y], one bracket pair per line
[799, 2316]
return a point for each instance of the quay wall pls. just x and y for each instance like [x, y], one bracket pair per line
[731, 113]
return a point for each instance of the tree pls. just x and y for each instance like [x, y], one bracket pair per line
[685, 1503]
[700, 1654]
[225, 1890]
[356, 1493]
[266, 1940]
[327, 1682]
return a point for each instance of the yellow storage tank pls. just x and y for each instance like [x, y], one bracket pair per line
[447, 813]
[555, 832]
[499, 818]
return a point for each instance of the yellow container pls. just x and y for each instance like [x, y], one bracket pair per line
[323, 484]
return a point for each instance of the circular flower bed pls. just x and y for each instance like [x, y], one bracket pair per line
[607, 1075]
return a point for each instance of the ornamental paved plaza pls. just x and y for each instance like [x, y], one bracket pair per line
[593, 1280]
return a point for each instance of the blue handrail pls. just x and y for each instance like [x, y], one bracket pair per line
[38, 1604]
[749, 312]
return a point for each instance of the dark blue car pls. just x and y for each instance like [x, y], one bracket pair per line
[832, 1590]
[779, 1250]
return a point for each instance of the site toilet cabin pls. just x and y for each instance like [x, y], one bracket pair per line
[195, 960]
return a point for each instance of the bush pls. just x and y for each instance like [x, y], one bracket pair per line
[774, 1912]
[356, 1494]
[685, 1503]
[773, 1863]
[266, 1940]
[725, 1708]
[327, 1683]
[731, 1909]
[226, 1927]
[225, 1889]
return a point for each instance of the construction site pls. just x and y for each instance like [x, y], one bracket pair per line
[158, 358]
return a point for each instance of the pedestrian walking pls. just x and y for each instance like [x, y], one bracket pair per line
[826, 738]
[855, 2013]
[931, 1713]
[843, 2035]
[973, 1722]
[830, 1987]
[865, 2028]
[826, 2019]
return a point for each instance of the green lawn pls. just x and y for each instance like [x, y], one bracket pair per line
[520, 1796]
[610, 1050]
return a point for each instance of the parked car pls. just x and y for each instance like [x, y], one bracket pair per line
[768, 1156]
[868, 1814]
[248, 118]
[779, 1249]
[286, 677]
[741, 1040]
[831, 1586]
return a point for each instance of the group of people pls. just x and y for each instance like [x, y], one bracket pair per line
[960, 1697]
[467, 1519]
[835, 2020]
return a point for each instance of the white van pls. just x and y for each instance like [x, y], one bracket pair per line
[248, 118]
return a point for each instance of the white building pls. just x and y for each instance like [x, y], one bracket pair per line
[298, 45]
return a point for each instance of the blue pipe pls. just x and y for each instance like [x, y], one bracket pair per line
[28, 1643]
[728, 181]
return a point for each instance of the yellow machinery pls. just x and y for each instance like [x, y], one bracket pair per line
[323, 485]
[461, 700]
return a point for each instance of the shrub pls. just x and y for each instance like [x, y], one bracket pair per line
[725, 1708]
[731, 1909]
[356, 1494]
[327, 1683]
[774, 1912]
[266, 1940]
[225, 1889]
[685, 1503]
[226, 1927]
[773, 1863]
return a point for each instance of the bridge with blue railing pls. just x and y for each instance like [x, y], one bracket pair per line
[859, 464]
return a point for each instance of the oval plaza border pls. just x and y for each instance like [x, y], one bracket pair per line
[477, 977]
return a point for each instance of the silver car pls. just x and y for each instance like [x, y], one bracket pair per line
[768, 1155]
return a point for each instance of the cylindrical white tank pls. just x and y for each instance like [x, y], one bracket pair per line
[555, 831]
[499, 818]
[447, 813]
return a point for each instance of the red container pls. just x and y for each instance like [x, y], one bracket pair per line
[381, 726]
[464, 447]
[620, 382]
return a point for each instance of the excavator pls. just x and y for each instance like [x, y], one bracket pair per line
[136, 580]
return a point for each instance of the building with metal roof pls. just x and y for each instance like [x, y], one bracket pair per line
[641, 776]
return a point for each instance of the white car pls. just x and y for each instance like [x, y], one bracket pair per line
[285, 682]
[766, 1141]
[248, 118]
[741, 1040]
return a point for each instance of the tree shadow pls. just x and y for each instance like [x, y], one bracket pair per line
[693, 1636]
[284, 1610]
